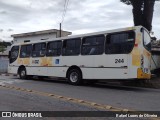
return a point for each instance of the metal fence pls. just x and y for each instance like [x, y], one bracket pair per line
[3, 65]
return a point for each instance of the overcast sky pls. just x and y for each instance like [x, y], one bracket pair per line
[83, 16]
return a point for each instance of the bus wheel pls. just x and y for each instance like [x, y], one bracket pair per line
[75, 77]
[22, 73]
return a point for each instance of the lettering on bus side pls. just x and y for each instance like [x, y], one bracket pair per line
[119, 61]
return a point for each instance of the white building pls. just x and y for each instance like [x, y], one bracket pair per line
[4, 60]
[39, 35]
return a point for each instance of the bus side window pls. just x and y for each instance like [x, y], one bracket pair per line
[25, 51]
[93, 45]
[54, 48]
[71, 47]
[120, 43]
[39, 50]
[14, 54]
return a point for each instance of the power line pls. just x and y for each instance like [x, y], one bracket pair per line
[64, 14]
[65, 10]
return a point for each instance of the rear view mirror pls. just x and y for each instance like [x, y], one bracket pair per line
[9, 56]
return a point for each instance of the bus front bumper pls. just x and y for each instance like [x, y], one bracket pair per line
[142, 75]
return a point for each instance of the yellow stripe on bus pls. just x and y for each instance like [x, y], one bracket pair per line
[142, 75]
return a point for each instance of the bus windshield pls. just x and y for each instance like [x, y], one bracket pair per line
[14, 54]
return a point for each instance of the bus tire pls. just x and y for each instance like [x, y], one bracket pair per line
[74, 77]
[22, 73]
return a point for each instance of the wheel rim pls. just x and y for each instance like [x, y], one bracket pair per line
[23, 72]
[74, 77]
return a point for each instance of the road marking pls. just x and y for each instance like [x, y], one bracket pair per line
[3, 81]
[105, 107]
[74, 100]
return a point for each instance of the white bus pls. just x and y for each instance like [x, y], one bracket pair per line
[122, 54]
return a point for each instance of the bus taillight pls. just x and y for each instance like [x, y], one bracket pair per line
[136, 45]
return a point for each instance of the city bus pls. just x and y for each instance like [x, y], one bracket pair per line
[122, 54]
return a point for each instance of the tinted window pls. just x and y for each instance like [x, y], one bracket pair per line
[39, 50]
[14, 53]
[120, 43]
[93, 45]
[25, 51]
[54, 48]
[71, 47]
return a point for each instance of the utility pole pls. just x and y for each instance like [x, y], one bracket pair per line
[60, 34]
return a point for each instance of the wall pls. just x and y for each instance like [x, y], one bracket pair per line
[3, 64]
[155, 62]
[34, 38]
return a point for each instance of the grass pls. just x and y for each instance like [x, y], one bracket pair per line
[2, 48]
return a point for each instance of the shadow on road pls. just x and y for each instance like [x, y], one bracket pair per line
[104, 85]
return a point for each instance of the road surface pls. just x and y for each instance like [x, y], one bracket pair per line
[58, 95]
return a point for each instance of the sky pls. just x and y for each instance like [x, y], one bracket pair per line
[83, 16]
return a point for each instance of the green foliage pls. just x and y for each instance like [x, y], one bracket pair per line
[2, 48]
[128, 2]
[5, 44]
[142, 12]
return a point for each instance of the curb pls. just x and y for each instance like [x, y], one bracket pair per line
[153, 83]
[8, 74]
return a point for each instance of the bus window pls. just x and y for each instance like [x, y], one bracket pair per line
[71, 47]
[14, 53]
[120, 43]
[39, 50]
[25, 51]
[93, 45]
[54, 48]
[146, 40]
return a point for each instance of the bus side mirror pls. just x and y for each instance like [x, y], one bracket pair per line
[9, 56]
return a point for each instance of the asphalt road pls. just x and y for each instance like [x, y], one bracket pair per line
[141, 99]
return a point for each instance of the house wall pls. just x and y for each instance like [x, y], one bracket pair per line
[35, 37]
[4, 64]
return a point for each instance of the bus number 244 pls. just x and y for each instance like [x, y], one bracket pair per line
[119, 61]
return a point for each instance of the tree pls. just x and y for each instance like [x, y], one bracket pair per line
[142, 12]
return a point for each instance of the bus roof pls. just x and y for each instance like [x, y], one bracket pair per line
[83, 35]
